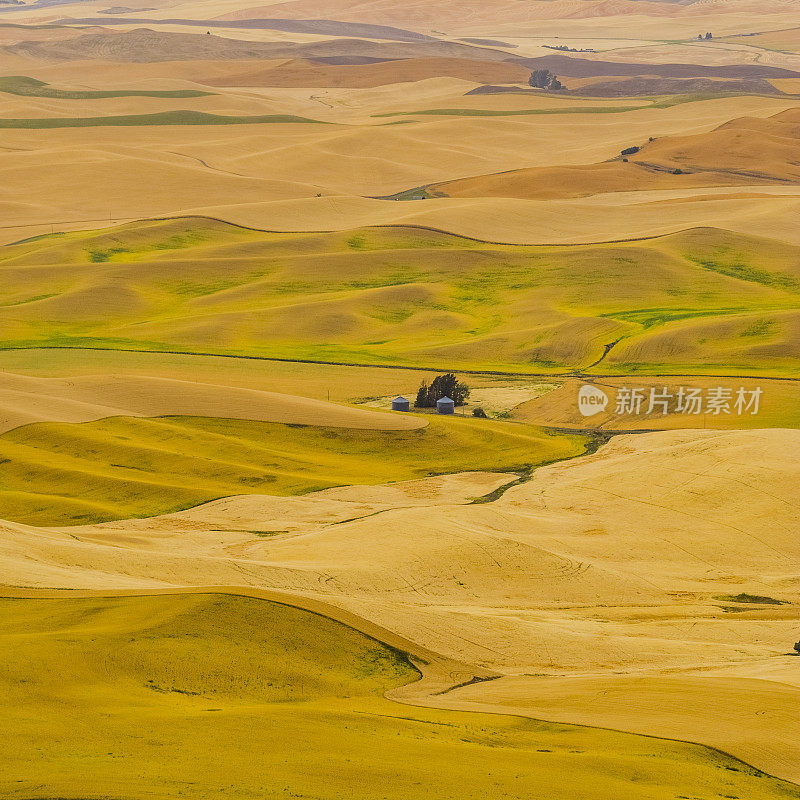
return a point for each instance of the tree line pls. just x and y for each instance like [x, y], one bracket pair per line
[441, 386]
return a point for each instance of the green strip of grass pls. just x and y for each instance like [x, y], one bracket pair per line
[652, 317]
[757, 599]
[30, 87]
[725, 265]
[485, 112]
[652, 102]
[161, 118]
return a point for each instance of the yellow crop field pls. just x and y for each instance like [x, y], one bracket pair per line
[232, 235]
[54, 474]
[703, 300]
[138, 697]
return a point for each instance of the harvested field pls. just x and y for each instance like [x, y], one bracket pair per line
[144, 45]
[231, 235]
[303, 73]
[278, 675]
[633, 87]
[724, 156]
[25, 400]
[558, 550]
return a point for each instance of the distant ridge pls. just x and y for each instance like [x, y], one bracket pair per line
[567, 66]
[324, 27]
[145, 45]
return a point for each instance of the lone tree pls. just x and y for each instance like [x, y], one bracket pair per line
[442, 386]
[544, 79]
[797, 647]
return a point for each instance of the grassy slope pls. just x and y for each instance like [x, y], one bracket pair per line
[523, 112]
[141, 697]
[784, 41]
[702, 300]
[666, 101]
[30, 87]
[121, 467]
[160, 118]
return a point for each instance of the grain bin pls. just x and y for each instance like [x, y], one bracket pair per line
[445, 406]
[401, 404]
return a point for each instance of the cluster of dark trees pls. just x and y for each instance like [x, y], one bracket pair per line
[564, 49]
[707, 36]
[442, 386]
[544, 79]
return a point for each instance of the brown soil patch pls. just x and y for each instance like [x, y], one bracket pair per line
[363, 76]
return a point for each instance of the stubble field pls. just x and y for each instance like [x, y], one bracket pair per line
[230, 234]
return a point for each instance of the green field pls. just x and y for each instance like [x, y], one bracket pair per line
[660, 101]
[160, 118]
[523, 112]
[205, 696]
[700, 301]
[30, 87]
[58, 474]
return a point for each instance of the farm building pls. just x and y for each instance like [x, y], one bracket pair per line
[445, 406]
[401, 404]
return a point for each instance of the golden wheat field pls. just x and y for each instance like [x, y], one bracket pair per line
[251, 255]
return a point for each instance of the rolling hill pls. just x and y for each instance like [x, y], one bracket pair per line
[56, 473]
[300, 73]
[701, 301]
[25, 400]
[144, 45]
[283, 693]
[764, 149]
[363, 63]
[742, 151]
[584, 575]
[231, 233]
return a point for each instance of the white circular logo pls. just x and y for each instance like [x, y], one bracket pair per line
[591, 400]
